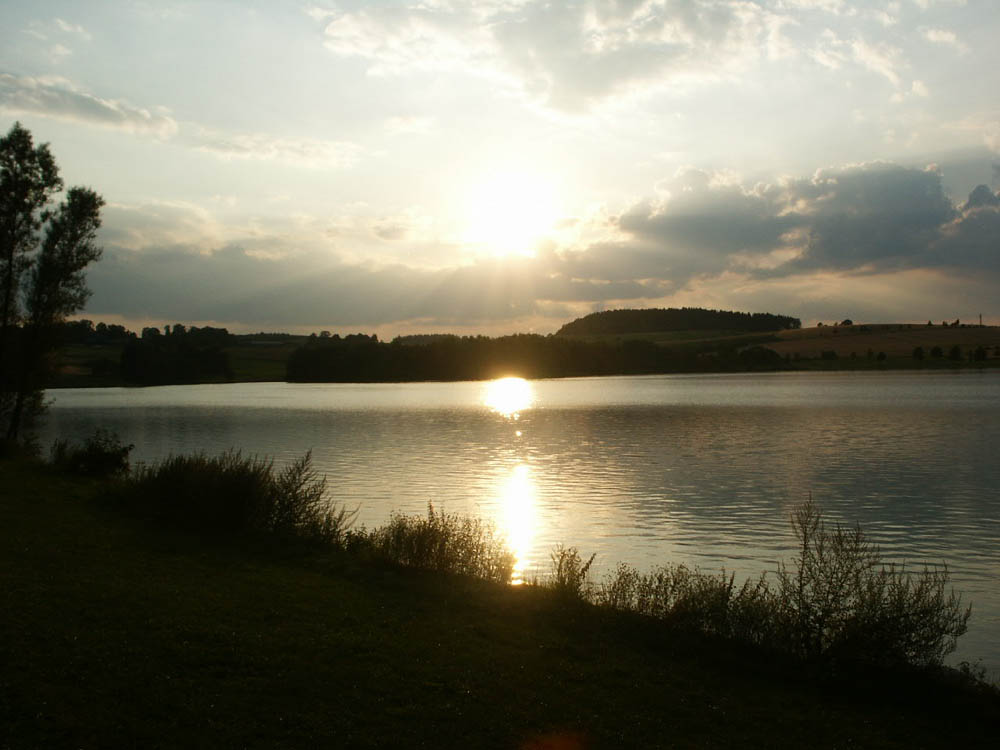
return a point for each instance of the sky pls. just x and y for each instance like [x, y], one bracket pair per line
[509, 165]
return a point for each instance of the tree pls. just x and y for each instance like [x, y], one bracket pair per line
[43, 281]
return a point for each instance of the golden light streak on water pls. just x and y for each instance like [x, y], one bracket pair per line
[519, 516]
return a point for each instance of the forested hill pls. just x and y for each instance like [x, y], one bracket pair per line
[675, 319]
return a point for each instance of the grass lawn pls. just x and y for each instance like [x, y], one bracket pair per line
[115, 634]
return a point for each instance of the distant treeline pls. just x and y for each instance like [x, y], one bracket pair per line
[675, 319]
[360, 358]
[178, 355]
[85, 333]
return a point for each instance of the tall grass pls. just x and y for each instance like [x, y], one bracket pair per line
[687, 598]
[444, 542]
[233, 494]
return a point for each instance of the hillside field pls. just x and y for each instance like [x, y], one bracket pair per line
[895, 339]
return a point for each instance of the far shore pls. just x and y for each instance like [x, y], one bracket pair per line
[859, 347]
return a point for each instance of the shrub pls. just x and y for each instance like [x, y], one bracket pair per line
[443, 542]
[570, 573]
[233, 493]
[103, 454]
[838, 603]
[842, 603]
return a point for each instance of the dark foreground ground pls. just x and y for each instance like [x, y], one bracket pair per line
[113, 634]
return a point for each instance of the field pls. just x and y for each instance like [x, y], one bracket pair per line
[895, 339]
[804, 347]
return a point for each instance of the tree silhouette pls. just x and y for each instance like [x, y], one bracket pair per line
[43, 276]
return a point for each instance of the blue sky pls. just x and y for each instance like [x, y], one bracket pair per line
[509, 165]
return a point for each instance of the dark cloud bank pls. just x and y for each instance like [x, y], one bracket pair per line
[859, 221]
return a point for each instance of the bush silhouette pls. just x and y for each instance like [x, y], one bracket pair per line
[836, 603]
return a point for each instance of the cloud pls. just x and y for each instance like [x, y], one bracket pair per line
[835, 7]
[60, 98]
[701, 238]
[884, 17]
[405, 125]
[879, 58]
[56, 97]
[233, 284]
[991, 137]
[927, 4]
[299, 151]
[58, 52]
[72, 28]
[400, 39]
[972, 240]
[865, 217]
[168, 225]
[574, 56]
[565, 55]
[860, 219]
[945, 37]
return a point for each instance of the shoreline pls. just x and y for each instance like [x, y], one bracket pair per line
[815, 366]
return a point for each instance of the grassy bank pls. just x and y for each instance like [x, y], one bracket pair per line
[115, 631]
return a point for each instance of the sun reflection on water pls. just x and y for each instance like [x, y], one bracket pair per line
[518, 517]
[509, 396]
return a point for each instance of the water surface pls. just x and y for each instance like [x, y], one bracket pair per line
[699, 469]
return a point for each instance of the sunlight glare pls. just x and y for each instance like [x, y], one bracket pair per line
[509, 213]
[508, 396]
[519, 517]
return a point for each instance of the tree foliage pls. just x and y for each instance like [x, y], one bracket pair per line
[42, 271]
[675, 319]
[184, 355]
[360, 358]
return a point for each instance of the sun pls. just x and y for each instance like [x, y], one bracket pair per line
[509, 212]
[508, 396]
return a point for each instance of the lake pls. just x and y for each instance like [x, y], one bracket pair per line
[700, 469]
